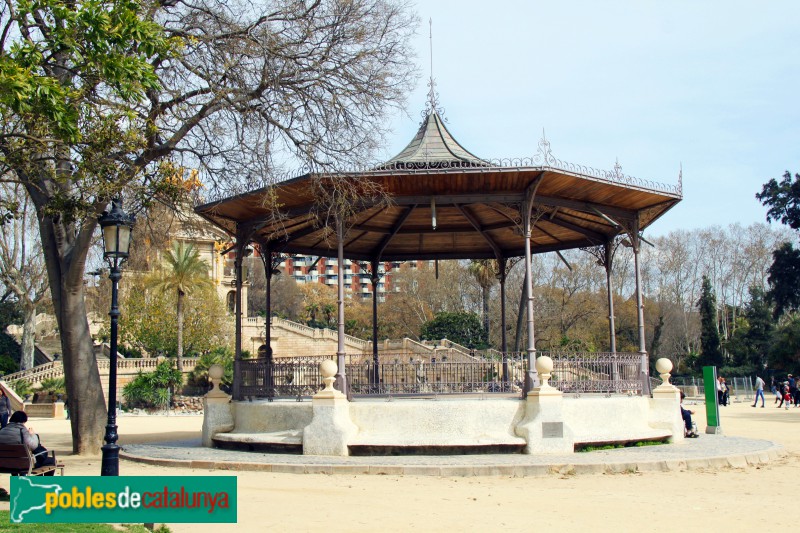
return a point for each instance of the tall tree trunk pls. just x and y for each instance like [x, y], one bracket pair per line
[84, 390]
[65, 249]
[179, 357]
[87, 404]
[28, 338]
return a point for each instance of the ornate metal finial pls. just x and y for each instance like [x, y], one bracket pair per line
[680, 180]
[544, 156]
[432, 105]
[618, 170]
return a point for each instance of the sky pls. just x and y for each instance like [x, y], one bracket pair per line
[711, 87]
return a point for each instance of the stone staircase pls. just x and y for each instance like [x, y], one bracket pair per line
[289, 339]
[127, 369]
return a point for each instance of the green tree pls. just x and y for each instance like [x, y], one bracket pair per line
[70, 74]
[95, 94]
[148, 321]
[463, 328]
[710, 353]
[750, 343]
[784, 354]
[184, 273]
[782, 199]
[485, 273]
[784, 279]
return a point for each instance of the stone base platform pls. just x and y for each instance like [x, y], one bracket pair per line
[546, 424]
[708, 452]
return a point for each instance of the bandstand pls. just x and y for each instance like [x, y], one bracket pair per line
[436, 201]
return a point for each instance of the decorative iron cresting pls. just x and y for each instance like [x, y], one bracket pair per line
[542, 160]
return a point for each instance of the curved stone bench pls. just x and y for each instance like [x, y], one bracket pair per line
[278, 437]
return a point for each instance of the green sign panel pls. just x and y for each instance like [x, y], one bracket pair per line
[712, 404]
[124, 499]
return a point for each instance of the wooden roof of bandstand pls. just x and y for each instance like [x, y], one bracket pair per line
[446, 203]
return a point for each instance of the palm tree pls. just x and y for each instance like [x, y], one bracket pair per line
[311, 310]
[328, 309]
[184, 271]
[485, 273]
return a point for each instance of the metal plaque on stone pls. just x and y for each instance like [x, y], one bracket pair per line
[552, 430]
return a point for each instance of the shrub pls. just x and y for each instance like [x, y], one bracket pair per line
[54, 386]
[219, 356]
[152, 390]
[462, 328]
[22, 387]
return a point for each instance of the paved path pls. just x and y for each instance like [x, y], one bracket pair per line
[706, 452]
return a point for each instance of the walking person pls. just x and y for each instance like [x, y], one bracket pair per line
[759, 391]
[781, 388]
[5, 409]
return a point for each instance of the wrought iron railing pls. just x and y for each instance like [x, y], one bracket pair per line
[585, 372]
[412, 374]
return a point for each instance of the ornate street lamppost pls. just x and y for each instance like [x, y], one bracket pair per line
[116, 226]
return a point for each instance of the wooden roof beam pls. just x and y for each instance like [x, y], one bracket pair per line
[587, 207]
[355, 238]
[540, 228]
[476, 224]
[500, 225]
[395, 228]
[293, 235]
[593, 235]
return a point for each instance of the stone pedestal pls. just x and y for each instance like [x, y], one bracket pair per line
[217, 409]
[665, 405]
[331, 429]
[543, 426]
[665, 411]
[217, 418]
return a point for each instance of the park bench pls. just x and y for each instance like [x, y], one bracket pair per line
[17, 460]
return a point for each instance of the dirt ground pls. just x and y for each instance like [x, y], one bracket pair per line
[707, 500]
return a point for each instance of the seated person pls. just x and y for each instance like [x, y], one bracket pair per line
[16, 433]
[686, 414]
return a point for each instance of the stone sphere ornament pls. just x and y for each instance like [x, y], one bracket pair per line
[544, 366]
[328, 369]
[664, 367]
[215, 373]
